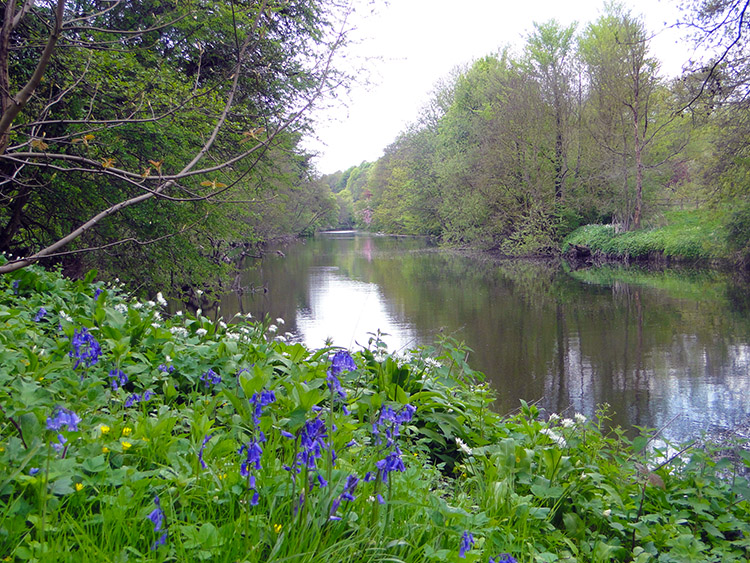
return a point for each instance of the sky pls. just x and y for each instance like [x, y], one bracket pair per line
[408, 46]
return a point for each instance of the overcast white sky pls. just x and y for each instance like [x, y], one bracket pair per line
[409, 45]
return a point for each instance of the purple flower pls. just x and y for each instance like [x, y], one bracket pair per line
[349, 486]
[503, 558]
[210, 378]
[132, 400]
[389, 422]
[63, 417]
[97, 293]
[40, 315]
[15, 286]
[33, 471]
[342, 361]
[260, 400]
[203, 447]
[165, 368]
[391, 462]
[380, 498]
[253, 453]
[334, 507]
[287, 434]
[85, 348]
[157, 518]
[467, 540]
[61, 443]
[118, 379]
[312, 443]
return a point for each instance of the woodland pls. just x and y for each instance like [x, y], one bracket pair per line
[161, 142]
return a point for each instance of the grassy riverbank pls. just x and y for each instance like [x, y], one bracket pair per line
[699, 235]
[130, 436]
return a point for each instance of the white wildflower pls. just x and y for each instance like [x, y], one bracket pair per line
[580, 419]
[137, 305]
[272, 328]
[554, 436]
[178, 314]
[150, 304]
[233, 336]
[432, 363]
[179, 331]
[121, 308]
[155, 325]
[223, 325]
[198, 313]
[160, 299]
[65, 316]
[279, 321]
[567, 423]
[607, 513]
[462, 446]
[157, 316]
[199, 292]
[554, 417]
[168, 359]
[201, 332]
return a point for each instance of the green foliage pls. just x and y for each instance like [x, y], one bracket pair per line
[540, 488]
[686, 236]
[738, 232]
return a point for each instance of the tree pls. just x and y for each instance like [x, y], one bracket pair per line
[168, 108]
[549, 58]
[622, 79]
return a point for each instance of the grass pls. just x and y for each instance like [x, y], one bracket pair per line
[225, 442]
[685, 235]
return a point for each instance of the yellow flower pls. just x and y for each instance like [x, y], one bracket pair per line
[127, 431]
[277, 528]
[126, 445]
[40, 378]
[104, 429]
[105, 450]
[2, 449]
[145, 439]
[79, 486]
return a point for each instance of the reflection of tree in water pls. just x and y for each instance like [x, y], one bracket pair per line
[650, 343]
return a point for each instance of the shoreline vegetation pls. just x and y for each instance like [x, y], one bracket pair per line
[131, 435]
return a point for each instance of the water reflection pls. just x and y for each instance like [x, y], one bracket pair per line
[344, 312]
[664, 349]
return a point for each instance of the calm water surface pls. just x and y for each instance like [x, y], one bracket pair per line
[664, 349]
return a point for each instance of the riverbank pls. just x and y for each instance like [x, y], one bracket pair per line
[131, 435]
[698, 237]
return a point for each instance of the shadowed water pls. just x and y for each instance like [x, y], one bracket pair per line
[664, 349]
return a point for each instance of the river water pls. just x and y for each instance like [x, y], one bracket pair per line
[665, 349]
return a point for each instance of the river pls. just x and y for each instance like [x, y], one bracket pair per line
[665, 349]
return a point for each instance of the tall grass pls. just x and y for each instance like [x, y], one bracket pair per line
[685, 235]
[130, 436]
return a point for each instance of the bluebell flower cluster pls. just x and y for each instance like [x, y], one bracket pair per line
[157, 518]
[203, 447]
[118, 379]
[503, 558]
[347, 494]
[136, 398]
[389, 423]
[97, 293]
[210, 378]
[467, 541]
[341, 362]
[166, 368]
[312, 444]
[260, 400]
[85, 348]
[253, 452]
[60, 445]
[63, 417]
[40, 315]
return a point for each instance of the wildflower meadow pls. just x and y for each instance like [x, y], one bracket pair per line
[130, 434]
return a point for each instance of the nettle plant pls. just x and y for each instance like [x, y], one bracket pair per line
[131, 434]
